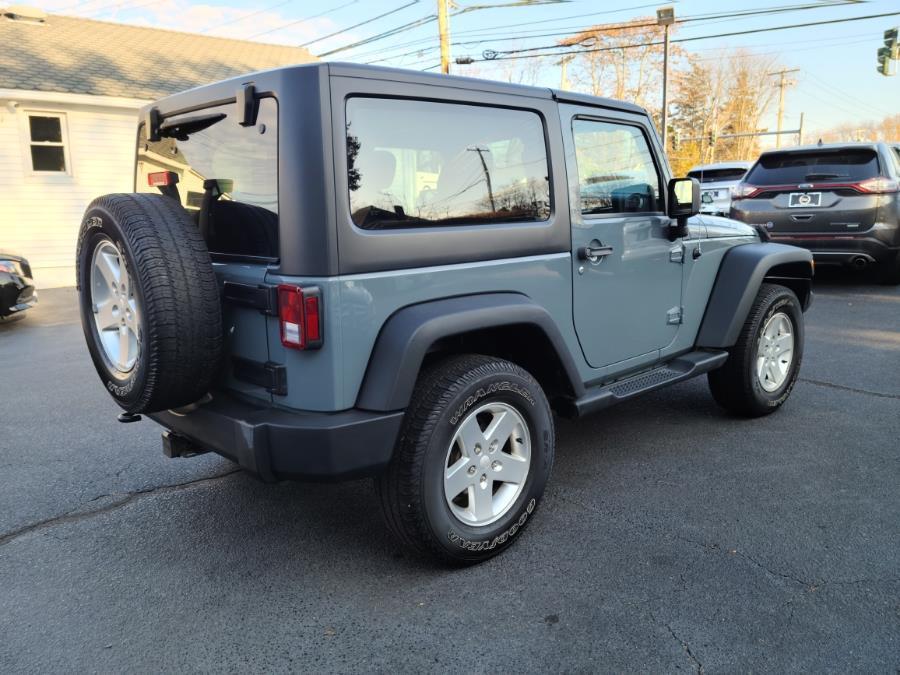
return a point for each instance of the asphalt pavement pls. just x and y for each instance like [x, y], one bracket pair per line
[671, 537]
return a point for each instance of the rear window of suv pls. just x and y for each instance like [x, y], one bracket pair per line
[420, 164]
[716, 175]
[789, 168]
[227, 175]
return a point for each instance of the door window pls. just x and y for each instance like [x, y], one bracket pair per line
[616, 171]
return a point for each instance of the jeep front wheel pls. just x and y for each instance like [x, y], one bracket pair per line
[472, 460]
[763, 365]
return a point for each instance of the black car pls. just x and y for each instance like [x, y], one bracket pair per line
[16, 285]
[841, 201]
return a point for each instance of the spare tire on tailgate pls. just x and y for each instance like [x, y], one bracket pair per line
[149, 300]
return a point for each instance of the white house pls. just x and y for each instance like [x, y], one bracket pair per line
[70, 90]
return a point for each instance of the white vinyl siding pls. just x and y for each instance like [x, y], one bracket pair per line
[40, 212]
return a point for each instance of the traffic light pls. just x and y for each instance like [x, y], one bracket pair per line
[892, 42]
[890, 53]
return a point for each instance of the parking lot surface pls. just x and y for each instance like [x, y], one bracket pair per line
[671, 537]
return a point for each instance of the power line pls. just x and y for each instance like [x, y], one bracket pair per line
[699, 18]
[307, 18]
[361, 23]
[517, 53]
[399, 29]
[695, 17]
[244, 17]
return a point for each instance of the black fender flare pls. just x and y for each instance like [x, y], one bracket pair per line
[410, 332]
[742, 271]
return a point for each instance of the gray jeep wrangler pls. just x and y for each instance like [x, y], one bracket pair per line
[331, 271]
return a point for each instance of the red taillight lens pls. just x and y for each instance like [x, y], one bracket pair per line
[744, 191]
[878, 185]
[299, 311]
[162, 178]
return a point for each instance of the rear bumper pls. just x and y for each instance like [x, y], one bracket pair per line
[278, 444]
[842, 250]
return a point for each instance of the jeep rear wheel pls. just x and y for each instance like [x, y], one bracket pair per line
[472, 460]
[763, 365]
[149, 301]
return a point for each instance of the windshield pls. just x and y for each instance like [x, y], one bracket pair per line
[839, 166]
[227, 175]
[717, 175]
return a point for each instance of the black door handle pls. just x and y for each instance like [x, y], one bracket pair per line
[594, 252]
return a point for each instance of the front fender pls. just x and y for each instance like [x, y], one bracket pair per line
[410, 332]
[742, 271]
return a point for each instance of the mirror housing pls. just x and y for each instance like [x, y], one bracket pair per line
[682, 203]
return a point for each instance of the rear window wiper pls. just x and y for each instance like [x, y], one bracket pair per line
[181, 129]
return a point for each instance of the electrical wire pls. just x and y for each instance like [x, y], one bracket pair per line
[699, 18]
[243, 17]
[518, 53]
[307, 18]
[361, 23]
[399, 29]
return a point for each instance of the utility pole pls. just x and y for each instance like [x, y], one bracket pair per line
[487, 174]
[564, 72]
[665, 17]
[782, 83]
[444, 30]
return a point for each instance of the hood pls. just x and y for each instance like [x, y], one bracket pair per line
[717, 227]
[5, 255]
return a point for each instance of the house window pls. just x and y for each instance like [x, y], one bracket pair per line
[46, 137]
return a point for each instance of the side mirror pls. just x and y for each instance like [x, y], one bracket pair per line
[684, 199]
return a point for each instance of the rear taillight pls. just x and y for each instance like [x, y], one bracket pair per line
[300, 315]
[878, 185]
[162, 178]
[744, 191]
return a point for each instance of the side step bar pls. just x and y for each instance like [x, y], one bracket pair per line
[682, 368]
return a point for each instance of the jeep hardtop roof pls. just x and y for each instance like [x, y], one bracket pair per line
[343, 69]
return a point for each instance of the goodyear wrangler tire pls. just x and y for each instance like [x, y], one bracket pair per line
[472, 460]
[764, 364]
[149, 301]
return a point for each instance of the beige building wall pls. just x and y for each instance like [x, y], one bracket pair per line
[40, 213]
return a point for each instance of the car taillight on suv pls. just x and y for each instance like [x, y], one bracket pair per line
[299, 312]
[744, 191]
[879, 185]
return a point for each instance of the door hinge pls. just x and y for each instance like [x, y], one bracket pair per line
[673, 316]
[676, 254]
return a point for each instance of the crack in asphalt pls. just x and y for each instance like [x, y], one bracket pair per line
[684, 645]
[125, 498]
[855, 390]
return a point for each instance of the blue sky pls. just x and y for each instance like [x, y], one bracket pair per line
[837, 82]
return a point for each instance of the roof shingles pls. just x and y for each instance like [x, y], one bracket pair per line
[84, 56]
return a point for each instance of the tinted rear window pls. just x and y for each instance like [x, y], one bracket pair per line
[425, 164]
[786, 168]
[716, 175]
[227, 177]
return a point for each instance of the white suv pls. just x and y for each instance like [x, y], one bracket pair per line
[716, 184]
